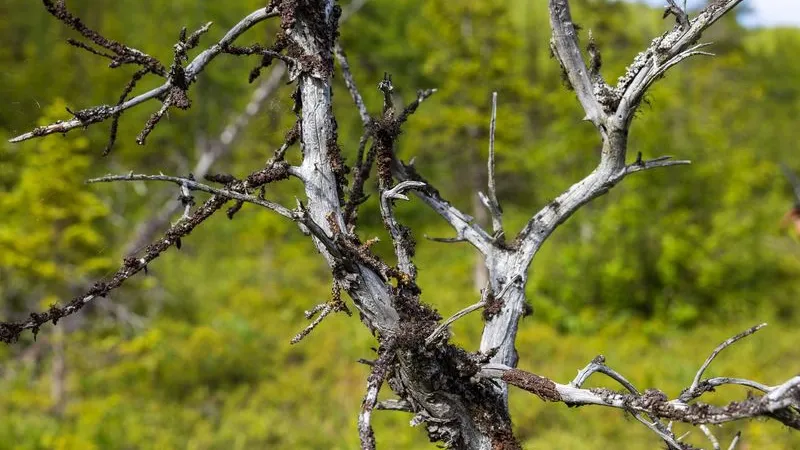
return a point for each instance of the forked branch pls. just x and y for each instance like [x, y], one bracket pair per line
[781, 402]
[459, 407]
[89, 116]
[10, 331]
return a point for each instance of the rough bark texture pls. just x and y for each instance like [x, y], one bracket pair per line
[435, 380]
[460, 397]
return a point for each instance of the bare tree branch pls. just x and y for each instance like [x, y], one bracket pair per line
[333, 305]
[188, 183]
[653, 402]
[461, 397]
[714, 441]
[491, 202]
[10, 331]
[465, 225]
[350, 82]
[694, 389]
[781, 402]
[374, 382]
[422, 95]
[486, 298]
[565, 47]
[101, 113]
[361, 170]
[210, 153]
[393, 405]
[123, 54]
[459, 220]
[681, 17]
[314, 35]
[673, 443]
[598, 365]
[403, 248]
[664, 52]
[735, 441]
[611, 111]
[445, 240]
[444, 325]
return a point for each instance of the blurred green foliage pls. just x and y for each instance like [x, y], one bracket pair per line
[653, 275]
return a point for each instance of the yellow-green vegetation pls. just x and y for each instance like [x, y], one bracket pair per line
[653, 275]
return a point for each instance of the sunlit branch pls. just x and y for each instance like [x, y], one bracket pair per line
[101, 113]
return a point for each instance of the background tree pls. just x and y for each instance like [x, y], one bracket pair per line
[258, 260]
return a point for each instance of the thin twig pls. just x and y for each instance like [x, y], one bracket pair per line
[349, 81]
[394, 405]
[387, 88]
[411, 108]
[374, 382]
[335, 304]
[566, 49]
[690, 393]
[361, 172]
[10, 331]
[324, 310]
[403, 247]
[484, 300]
[680, 14]
[710, 436]
[666, 435]
[780, 403]
[112, 135]
[452, 240]
[186, 199]
[347, 12]
[645, 70]
[453, 318]
[124, 54]
[212, 152]
[194, 185]
[491, 202]
[598, 365]
[464, 224]
[735, 440]
[191, 71]
[719, 381]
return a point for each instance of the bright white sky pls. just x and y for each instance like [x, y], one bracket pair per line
[763, 12]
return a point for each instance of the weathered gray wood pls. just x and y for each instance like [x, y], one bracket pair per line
[317, 127]
[460, 398]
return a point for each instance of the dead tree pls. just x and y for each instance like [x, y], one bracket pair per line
[460, 396]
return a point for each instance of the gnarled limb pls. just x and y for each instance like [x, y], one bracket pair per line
[460, 397]
[313, 33]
